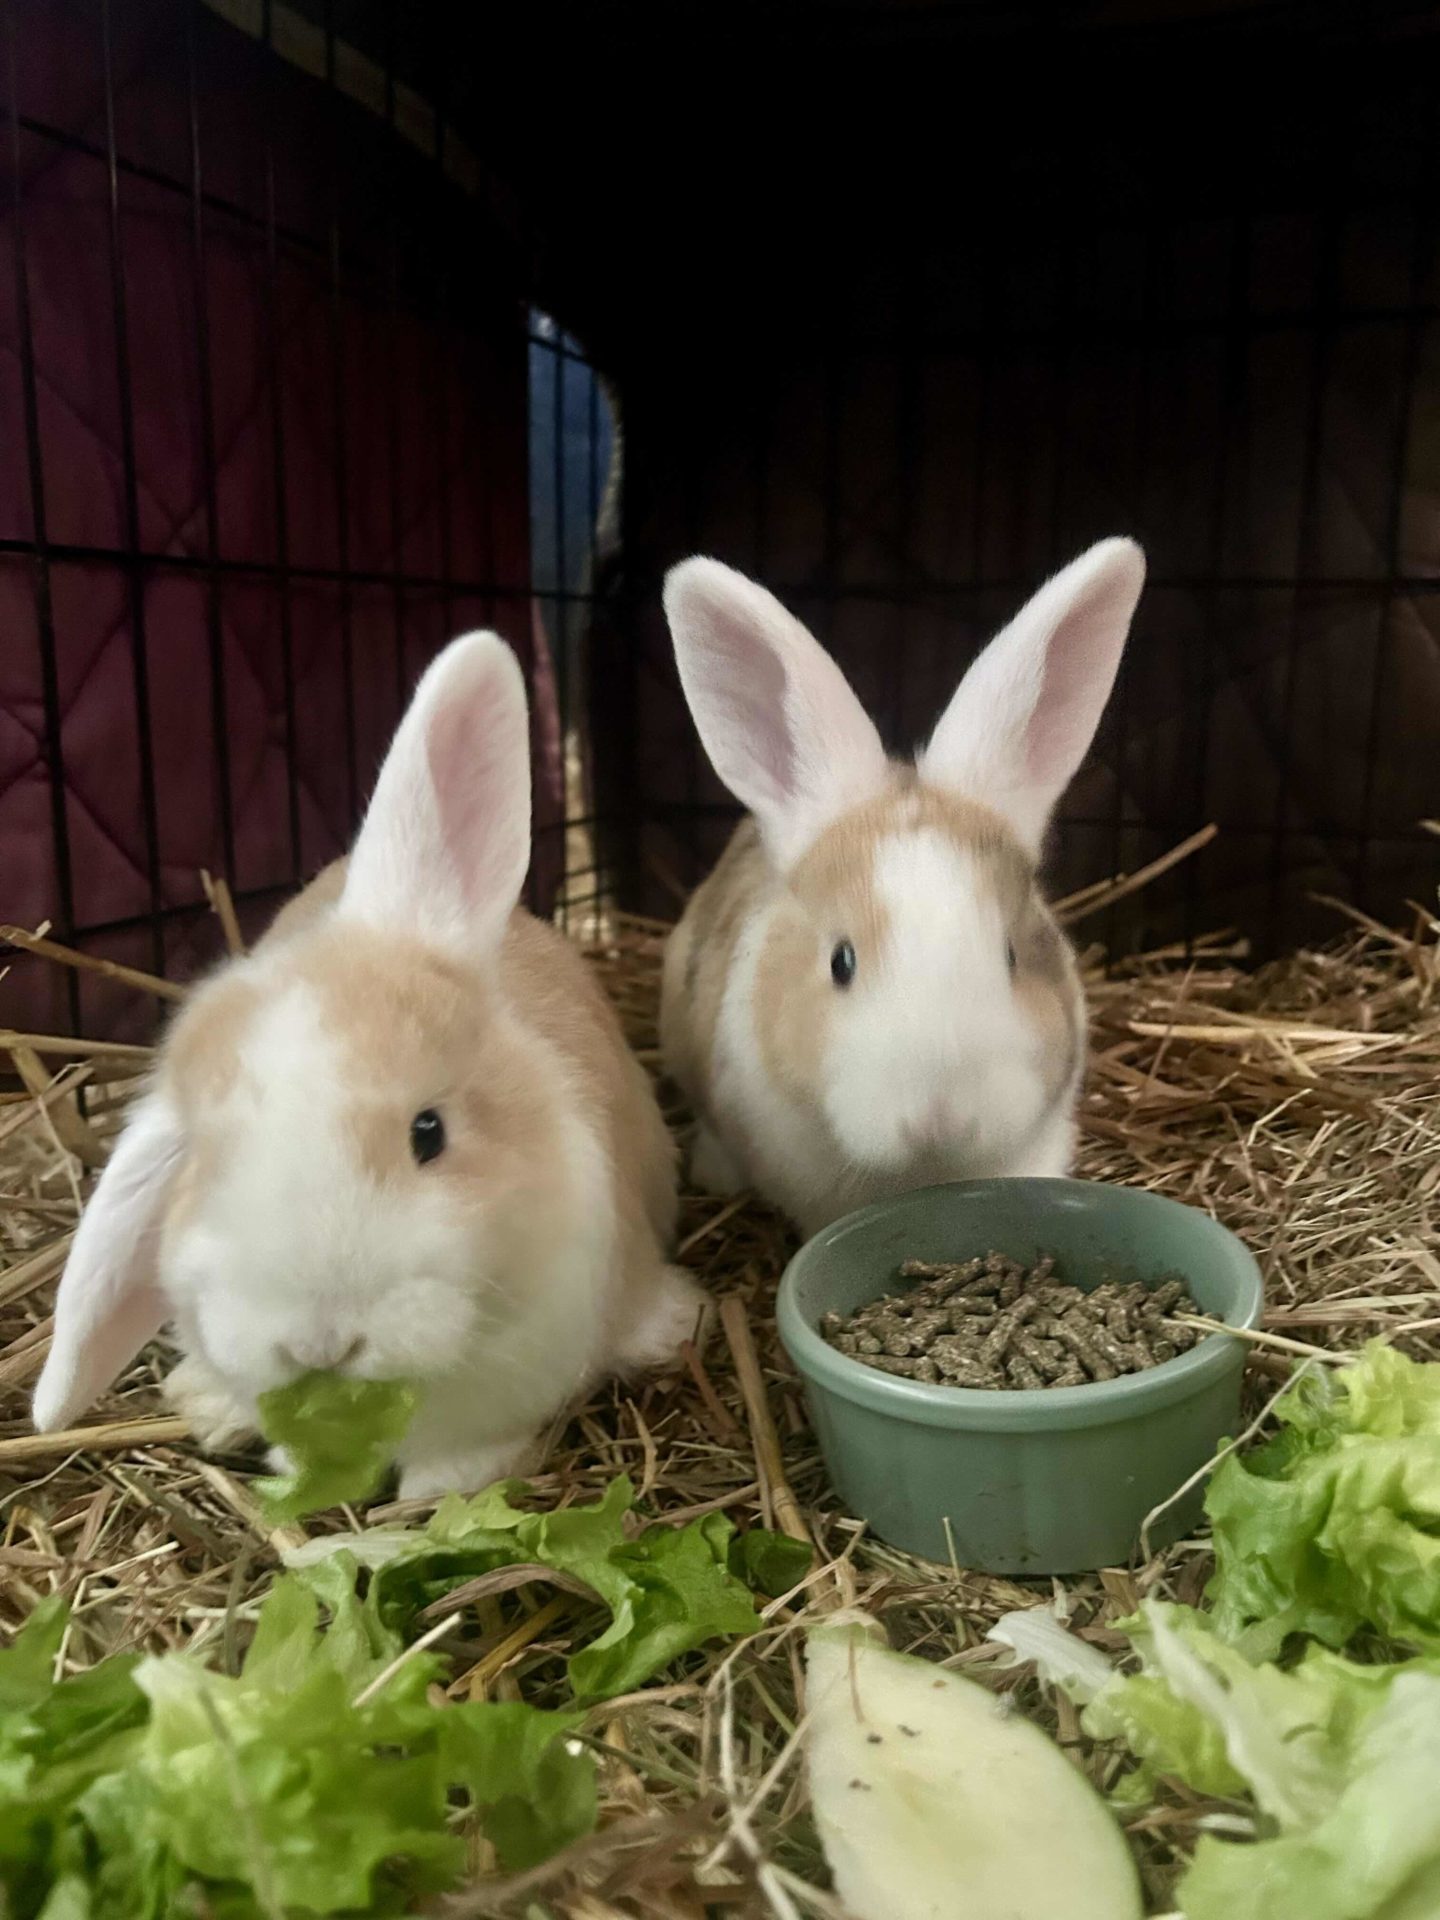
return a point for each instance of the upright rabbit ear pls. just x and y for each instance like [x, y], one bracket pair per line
[446, 841]
[1022, 719]
[779, 722]
[109, 1303]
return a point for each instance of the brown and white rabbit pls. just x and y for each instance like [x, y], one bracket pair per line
[403, 1138]
[868, 993]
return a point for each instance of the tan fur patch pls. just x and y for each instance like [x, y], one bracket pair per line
[502, 1052]
[420, 1030]
[1048, 988]
[833, 897]
[203, 1051]
[699, 955]
[567, 1006]
[309, 904]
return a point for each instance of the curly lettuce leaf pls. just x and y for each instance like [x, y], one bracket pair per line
[1330, 1529]
[1374, 1852]
[321, 1779]
[27, 1665]
[676, 1591]
[1339, 1759]
[772, 1563]
[535, 1789]
[56, 1737]
[341, 1436]
[667, 1589]
[1201, 1711]
[1334, 1525]
[295, 1792]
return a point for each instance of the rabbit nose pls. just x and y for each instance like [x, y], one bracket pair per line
[320, 1352]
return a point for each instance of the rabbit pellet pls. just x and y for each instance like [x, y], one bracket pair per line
[994, 1323]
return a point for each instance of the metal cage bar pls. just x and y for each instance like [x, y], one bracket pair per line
[134, 582]
[53, 745]
[394, 275]
[219, 704]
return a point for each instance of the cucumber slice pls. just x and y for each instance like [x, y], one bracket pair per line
[934, 1802]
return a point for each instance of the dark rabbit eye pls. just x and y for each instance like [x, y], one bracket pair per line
[842, 964]
[1010, 955]
[427, 1136]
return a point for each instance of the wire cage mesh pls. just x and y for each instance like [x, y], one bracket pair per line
[265, 350]
[1101, 297]
[288, 407]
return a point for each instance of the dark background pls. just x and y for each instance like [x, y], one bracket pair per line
[900, 306]
[909, 304]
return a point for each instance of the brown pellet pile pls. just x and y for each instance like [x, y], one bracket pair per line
[993, 1323]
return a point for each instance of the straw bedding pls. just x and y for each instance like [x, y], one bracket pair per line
[1297, 1102]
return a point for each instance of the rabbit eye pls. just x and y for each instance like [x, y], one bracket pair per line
[1010, 955]
[427, 1136]
[842, 964]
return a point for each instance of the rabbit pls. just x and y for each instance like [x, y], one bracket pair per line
[868, 993]
[403, 1138]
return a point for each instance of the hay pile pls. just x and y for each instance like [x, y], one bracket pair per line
[1298, 1103]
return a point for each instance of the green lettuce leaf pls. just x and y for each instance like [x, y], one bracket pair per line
[1374, 1852]
[296, 1793]
[1201, 1711]
[673, 1590]
[341, 1436]
[319, 1780]
[536, 1790]
[772, 1563]
[1339, 1758]
[56, 1737]
[27, 1665]
[667, 1589]
[1334, 1525]
[322, 1779]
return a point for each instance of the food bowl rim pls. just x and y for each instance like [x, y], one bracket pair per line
[1021, 1409]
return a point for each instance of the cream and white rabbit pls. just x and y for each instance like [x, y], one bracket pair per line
[403, 1138]
[869, 993]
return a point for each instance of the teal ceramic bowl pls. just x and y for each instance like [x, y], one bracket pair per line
[1058, 1480]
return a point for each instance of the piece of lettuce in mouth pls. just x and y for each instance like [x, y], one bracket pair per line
[341, 1436]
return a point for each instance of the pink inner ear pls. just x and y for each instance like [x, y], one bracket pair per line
[1022, 719]
[456, 751]
[1079, 666]
[478, 760]
[744, 675]
[779, 721]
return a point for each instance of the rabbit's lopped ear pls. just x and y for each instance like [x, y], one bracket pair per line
[1022, 719]
[781, 726]
[109, 1304]
[446, 842]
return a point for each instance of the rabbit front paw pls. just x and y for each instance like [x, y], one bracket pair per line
[676, 1310]
[466, 1470]
[198, 1394]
